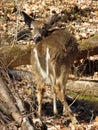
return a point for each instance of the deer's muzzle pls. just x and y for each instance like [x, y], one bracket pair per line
[37, 38]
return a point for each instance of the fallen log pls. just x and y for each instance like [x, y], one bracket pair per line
[88, 47]
[83, 87]
[16, 55]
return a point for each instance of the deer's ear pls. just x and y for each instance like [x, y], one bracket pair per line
[27, 18]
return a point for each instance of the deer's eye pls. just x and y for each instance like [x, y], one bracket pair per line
[43, 28]
[31, 28]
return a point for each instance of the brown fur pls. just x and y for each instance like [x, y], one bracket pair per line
[51, 60]
[63, 50]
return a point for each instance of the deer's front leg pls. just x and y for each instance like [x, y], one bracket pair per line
[55, 111]
[40, 94]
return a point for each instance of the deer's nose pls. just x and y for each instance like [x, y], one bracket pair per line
[37, 38]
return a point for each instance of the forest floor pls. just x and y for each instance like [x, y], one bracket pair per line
[81, 18]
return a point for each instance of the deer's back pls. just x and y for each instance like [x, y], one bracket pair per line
[62, 46]
[62, 50]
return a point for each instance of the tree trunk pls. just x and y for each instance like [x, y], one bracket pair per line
[8, 104]
[9, 107]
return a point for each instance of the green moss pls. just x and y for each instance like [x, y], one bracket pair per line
[91, 101]
[88, 98]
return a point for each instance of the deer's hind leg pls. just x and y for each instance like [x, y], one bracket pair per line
[55, 111]
[60, 88]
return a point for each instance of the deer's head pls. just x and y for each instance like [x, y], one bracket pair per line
[34, 27]
[38, 28]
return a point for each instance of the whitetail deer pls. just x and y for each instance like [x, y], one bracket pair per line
[52, 59]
